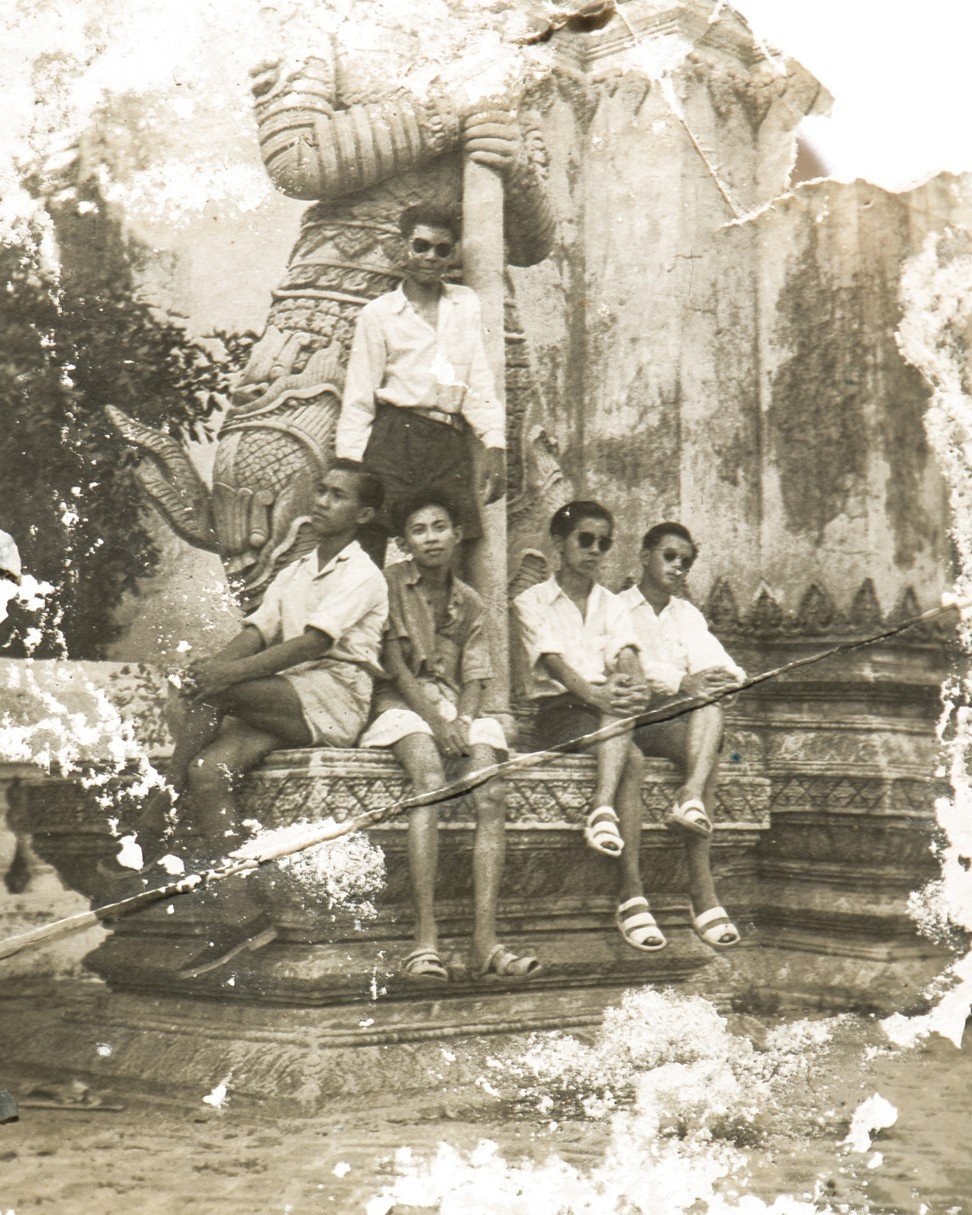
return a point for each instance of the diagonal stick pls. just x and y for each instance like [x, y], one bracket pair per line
[232, 866]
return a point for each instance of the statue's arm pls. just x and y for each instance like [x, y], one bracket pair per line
[514, 148]
[315, 150]
[527, 216]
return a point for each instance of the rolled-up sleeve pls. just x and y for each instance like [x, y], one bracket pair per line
[619, 632]
[363, 377]
[535, 634]
[266, 619]
[343, 603]
[704, 650]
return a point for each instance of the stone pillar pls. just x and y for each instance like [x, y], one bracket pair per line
[483, 269]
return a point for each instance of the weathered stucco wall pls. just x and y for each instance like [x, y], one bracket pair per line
[850, 486]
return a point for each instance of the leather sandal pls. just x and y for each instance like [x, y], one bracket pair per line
[690, 816]
[638, 926]
[601, 832]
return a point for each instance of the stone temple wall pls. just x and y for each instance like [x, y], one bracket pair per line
[721, 350]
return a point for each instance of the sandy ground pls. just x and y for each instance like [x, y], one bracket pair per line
[152, 1158]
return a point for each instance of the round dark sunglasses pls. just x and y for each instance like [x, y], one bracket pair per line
[671, 555]
[589, 540]
[443, 249]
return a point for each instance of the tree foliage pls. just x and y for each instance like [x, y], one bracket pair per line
[73, 341]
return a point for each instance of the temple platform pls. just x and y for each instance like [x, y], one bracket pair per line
[824, 827]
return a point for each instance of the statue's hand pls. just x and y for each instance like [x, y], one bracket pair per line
[306, 76]
[263, 77]
[492, 138]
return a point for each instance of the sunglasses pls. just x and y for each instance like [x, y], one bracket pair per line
[589, 540]
[443, 249]
[670, 555]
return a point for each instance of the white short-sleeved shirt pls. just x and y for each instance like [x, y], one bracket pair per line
[674, 642]
[346, 598]
[551, 623]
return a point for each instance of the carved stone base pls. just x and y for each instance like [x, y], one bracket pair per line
[558, 897]
[286, 1061]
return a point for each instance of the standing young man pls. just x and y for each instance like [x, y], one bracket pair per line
[298, 674]
[417, 379]
[437, 658]
[583, 673]
[680, 656]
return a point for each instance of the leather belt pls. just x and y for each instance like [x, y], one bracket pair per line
[455, 420]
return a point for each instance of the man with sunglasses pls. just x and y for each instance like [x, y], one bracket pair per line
[582, 672]
[679, 658]
[417, 378]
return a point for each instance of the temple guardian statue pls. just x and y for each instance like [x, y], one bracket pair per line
[361, 133]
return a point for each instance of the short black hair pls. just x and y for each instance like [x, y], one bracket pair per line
[371, 488]
[419, 501]
[429, 215]
[567, 518]
[655, 535]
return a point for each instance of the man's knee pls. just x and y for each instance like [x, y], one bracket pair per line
[490, 801]
[207, 774]
[634, 763]
[427, 776]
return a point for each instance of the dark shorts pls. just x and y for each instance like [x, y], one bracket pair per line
[560, 719]
[412, 454]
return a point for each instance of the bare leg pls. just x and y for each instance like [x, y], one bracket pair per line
[631, 815]
[193, 725]
[693, 744]
[489, 855]
[612, 757]
[270, 712]
[420, 758]
[698, 855]
[703, 738]
[214, 776]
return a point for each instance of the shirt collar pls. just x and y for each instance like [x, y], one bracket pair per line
[640, 601]
[346, 553]
[400, 301]
[413, 576]
[552, 590]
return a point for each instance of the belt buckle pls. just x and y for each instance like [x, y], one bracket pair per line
[440, 415]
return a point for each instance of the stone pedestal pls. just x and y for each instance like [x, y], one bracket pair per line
[558, 896]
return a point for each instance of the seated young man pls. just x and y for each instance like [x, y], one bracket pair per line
[298, 674]
[583, 673]
[680, 656]
[436, 656]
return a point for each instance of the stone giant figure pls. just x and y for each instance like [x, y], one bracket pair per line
[361, 128]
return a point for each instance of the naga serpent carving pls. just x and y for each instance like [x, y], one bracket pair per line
[346, 130]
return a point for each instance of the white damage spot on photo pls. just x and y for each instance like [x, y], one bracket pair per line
[873, 1115]
[218, 1096]
[129, 854]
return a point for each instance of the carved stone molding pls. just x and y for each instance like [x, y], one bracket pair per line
[818, 616]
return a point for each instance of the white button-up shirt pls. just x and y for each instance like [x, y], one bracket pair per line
[346, 598]
[397, 357]
[674, 642]
[551, 623]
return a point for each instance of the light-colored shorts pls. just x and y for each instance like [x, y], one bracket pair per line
[335, 698]
[399, 721]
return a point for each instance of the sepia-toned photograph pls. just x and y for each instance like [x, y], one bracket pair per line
[485, 607]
